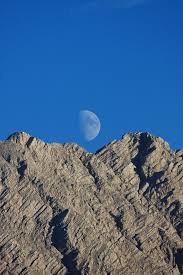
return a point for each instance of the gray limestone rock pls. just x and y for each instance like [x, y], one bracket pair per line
[67, 211]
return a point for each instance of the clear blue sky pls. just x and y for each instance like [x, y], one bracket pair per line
[121, 59]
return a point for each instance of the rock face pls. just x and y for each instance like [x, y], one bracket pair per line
[66, 211]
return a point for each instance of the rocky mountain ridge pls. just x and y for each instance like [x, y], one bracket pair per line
[67, 211]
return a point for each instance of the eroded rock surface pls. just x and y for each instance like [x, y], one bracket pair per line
[67, 211]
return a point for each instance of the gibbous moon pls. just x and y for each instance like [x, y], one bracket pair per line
[89, 124]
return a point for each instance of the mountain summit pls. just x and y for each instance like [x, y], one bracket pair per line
[66, 211]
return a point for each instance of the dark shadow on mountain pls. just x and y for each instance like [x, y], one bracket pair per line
[61, 242]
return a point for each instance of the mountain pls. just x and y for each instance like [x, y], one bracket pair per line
[66, 211]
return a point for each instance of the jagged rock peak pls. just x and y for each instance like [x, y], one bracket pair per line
[24, 138]
[19, 137]
[145, 137]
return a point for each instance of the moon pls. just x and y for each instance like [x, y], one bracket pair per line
[89, 124]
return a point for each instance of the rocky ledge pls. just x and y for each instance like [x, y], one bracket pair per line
[66, 211]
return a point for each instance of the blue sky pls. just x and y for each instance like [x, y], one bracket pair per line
[121, 59]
